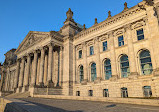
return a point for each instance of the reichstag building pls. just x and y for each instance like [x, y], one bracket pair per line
[118, 57]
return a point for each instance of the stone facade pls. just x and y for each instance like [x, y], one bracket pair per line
[115, 58]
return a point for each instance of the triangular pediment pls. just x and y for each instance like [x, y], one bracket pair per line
[31, 39]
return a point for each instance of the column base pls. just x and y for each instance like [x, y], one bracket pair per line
[84, 82]
[50, 84]
[133, 75]
[23, 89]
[41, 84]
[17, 90]
[98, 80]
[27, 88]
[114, 78]
[20, 89]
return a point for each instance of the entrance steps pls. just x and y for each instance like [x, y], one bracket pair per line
[19, 95]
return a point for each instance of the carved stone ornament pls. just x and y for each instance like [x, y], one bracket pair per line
[109, 14]
[95, 21]
[125, 6]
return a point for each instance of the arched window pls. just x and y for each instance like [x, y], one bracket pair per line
[145, 61]
[107, 69]
[93, 72]
[124, 64]
[81, 73]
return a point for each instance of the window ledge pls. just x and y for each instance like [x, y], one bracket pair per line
[91, 55]
[140, 41]
[105, 51]
[79, 58]
[145, 76]
[121, 46]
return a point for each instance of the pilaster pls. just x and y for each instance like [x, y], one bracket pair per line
[113, 56]
[131, 54]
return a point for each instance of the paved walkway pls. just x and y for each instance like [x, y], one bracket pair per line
[56, 105]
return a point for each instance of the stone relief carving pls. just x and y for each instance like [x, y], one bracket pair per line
[32, 39]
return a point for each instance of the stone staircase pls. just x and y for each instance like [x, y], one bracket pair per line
[19, 95]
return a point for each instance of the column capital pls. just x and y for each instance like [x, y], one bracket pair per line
[61, 47]
[51, 44]
[34, 51]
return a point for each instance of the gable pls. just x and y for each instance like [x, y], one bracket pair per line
[31, 39]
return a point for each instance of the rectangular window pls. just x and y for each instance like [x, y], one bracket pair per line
[91, 50]
[105, 46]
[140, 34]
[90, 93]
[80, 54]
[77, 93]
[121, 40]
[105, 93]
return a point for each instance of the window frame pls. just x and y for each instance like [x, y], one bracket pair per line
[79, 55]
[124, 92]
[105, 92]
[93, 72]
[141, 69]
[140, 34]
[78, 93]
[105, 47]
[148, 90]
[81, 79]
[90, 92]
[121, 67]
[106, 70]
[91, 50]
[122, 41]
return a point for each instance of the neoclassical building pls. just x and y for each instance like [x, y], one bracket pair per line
[118, 57]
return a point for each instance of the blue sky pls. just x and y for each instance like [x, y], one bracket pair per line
[18, 17]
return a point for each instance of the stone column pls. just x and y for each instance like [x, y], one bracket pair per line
[50, 64]
[2, 78]
[33, 83]
[28, 71]
[41, 83]
[45, 69]
[85, 63]
[98, 65]
[61, 66]
[21, 72]
[113, 55]
[131, 57]
[17, 74]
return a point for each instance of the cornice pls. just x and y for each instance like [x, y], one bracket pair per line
[109, 21]
[56, 36]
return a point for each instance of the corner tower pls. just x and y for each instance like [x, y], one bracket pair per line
[69, 29]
